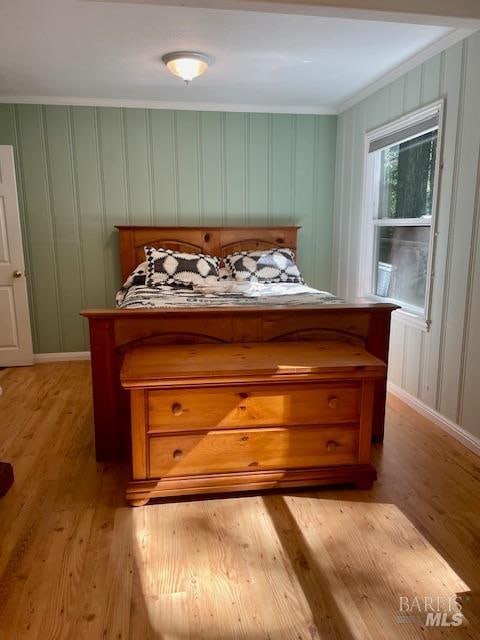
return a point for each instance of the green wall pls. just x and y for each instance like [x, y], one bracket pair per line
[440, 367]
[81, 170]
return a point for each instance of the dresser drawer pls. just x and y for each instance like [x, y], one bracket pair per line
[251, 449]
[259, 406]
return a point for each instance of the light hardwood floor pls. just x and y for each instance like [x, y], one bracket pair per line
[76, 562]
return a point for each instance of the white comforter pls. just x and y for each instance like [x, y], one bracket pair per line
[255, 289]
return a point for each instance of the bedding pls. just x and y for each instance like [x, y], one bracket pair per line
[185, 283]
[226, 293]
[275, 265]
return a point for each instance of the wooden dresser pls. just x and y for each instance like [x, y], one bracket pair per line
[233, 417]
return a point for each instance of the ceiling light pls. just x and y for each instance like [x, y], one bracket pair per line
[186, 64]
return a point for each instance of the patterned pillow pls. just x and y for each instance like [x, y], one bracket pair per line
[168, 267]
[137, 277]
[276, 265]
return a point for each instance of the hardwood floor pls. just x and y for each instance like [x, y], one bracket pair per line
[76, 562]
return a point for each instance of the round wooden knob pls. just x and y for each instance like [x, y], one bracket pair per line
[177, 454]
[177, 409]
[331, 445]
[332, 402]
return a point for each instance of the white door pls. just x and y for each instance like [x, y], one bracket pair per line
[15, 333]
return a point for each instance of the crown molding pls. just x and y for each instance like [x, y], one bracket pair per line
[458, 14]
[158, 104]
[419, 58]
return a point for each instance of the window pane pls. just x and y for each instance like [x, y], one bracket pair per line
[407, 176]
[402, 263]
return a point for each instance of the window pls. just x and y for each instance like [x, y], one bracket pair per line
[400, 199]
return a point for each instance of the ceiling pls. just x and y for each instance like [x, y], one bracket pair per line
[107, 52]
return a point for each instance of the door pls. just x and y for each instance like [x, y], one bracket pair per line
[15, 333]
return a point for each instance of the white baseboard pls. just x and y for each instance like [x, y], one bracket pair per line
[456, 431]
[61, 357]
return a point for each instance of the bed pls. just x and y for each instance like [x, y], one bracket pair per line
[307, 318]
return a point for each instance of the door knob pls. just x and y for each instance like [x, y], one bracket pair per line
[17, 274]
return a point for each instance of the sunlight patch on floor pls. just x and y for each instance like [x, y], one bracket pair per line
[283, 567]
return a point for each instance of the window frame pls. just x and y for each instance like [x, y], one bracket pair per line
[368, 254]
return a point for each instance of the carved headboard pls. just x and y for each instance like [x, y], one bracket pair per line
[216, 241]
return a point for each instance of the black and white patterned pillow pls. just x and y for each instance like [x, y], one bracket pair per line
[168, 267]
[137, 277]
[275, 265]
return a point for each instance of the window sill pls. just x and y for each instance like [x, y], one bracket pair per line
[412, 320]
[404, 315]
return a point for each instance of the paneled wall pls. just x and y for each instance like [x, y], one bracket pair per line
[440, 367]
[81, 170]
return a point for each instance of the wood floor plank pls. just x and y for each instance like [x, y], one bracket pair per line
[76, 563]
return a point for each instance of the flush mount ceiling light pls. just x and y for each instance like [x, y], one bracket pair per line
[186, 64]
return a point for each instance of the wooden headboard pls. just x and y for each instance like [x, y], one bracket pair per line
[216, 241]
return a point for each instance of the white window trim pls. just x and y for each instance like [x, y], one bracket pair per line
[411, 315]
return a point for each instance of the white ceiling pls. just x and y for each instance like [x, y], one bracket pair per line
[67, 50]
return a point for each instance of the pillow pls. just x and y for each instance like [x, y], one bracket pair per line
[137, 277]
[168, 267]
[276, 265]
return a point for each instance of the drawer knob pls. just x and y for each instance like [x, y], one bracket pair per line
[332, 445]
[177, 454]
[177, 409]
[332, 402]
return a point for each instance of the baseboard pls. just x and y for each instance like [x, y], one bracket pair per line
[61, 357]
[453, 429]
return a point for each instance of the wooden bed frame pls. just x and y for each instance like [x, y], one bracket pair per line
[113, 331]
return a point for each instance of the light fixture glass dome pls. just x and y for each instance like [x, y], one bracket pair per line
[186, 64]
